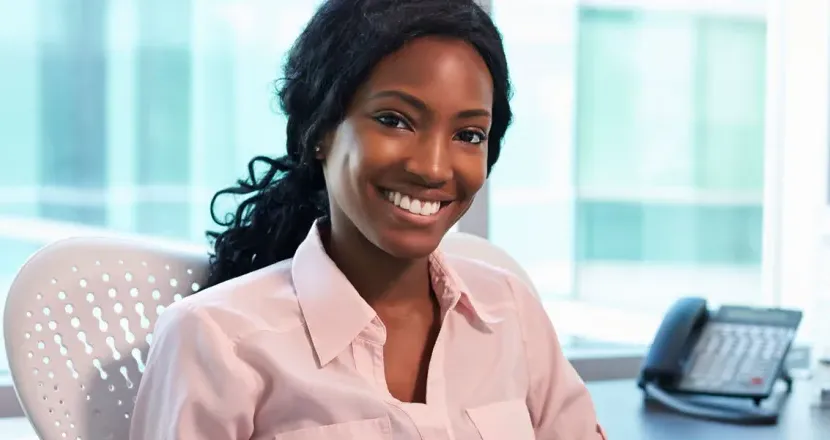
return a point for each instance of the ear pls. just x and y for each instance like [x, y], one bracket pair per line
[322, 148]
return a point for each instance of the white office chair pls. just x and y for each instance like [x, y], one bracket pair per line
[79, 319]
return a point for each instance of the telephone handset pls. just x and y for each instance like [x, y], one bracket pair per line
[734, 352]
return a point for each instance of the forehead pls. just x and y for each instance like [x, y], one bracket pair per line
[439, 71]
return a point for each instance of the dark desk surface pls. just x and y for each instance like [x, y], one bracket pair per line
[625, 416]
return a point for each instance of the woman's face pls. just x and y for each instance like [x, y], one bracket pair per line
[408, 159]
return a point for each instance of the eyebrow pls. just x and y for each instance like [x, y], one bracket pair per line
[421, 105]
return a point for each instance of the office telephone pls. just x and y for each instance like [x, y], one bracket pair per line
[735, 352]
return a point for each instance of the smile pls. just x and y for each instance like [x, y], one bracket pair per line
[412, 205]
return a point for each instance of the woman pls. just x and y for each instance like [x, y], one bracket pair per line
[331, 315]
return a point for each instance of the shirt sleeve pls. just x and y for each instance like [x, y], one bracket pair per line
[194, 385]
[560, 405]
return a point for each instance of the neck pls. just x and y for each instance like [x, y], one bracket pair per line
[377, 276]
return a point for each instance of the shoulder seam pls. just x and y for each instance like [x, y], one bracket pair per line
[233, 342]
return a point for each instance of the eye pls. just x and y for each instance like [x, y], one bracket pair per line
[392, 120]
[474, 137]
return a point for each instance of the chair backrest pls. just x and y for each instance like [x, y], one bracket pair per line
[78, 323]
[79, 318]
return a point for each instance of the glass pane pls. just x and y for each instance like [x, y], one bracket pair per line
[129, 115]
[634, 172]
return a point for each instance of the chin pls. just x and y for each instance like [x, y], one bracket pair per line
[409, 245]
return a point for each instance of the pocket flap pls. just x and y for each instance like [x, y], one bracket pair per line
[509, 419]
[368, 429]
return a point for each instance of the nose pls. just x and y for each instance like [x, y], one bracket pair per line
[430, 161]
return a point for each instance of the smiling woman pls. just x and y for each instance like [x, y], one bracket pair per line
[648, 145]
[329, 308]
[294, 192]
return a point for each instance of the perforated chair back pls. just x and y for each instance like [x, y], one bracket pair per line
[78, 323]
[79, 318]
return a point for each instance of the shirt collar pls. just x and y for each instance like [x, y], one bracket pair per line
[335, 314]
[452, 290]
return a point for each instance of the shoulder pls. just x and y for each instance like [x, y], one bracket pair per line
[261, 300]
[489, 283]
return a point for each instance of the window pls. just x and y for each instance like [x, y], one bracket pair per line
[638, 169]
[129, 116]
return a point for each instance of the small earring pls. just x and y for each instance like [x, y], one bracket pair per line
[317, 149]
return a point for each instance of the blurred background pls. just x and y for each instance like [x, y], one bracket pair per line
[661, 148]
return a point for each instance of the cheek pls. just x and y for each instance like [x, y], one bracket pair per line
[472, 175]
[378, 149]
[346, 154]
[470, 179]
[373, 155]
[357, 158]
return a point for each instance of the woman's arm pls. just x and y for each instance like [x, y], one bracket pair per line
[559, 403]
[194, 385]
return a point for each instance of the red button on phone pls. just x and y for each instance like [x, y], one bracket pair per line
[757, 381]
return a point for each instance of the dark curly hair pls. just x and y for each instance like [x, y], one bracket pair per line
[332, 57]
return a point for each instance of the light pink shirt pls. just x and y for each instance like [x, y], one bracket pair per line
[292, 352]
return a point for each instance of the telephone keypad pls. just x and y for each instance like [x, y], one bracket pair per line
[736, 358]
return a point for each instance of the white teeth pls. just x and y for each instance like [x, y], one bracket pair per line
[413, 205]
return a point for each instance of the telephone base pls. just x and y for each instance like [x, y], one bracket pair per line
[725, 409]
[784, 377]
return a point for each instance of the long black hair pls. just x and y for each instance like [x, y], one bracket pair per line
[332, 57]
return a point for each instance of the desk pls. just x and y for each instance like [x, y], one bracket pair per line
[625, 416]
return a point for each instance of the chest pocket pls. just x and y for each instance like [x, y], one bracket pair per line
[369, 429]
[509, 419]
